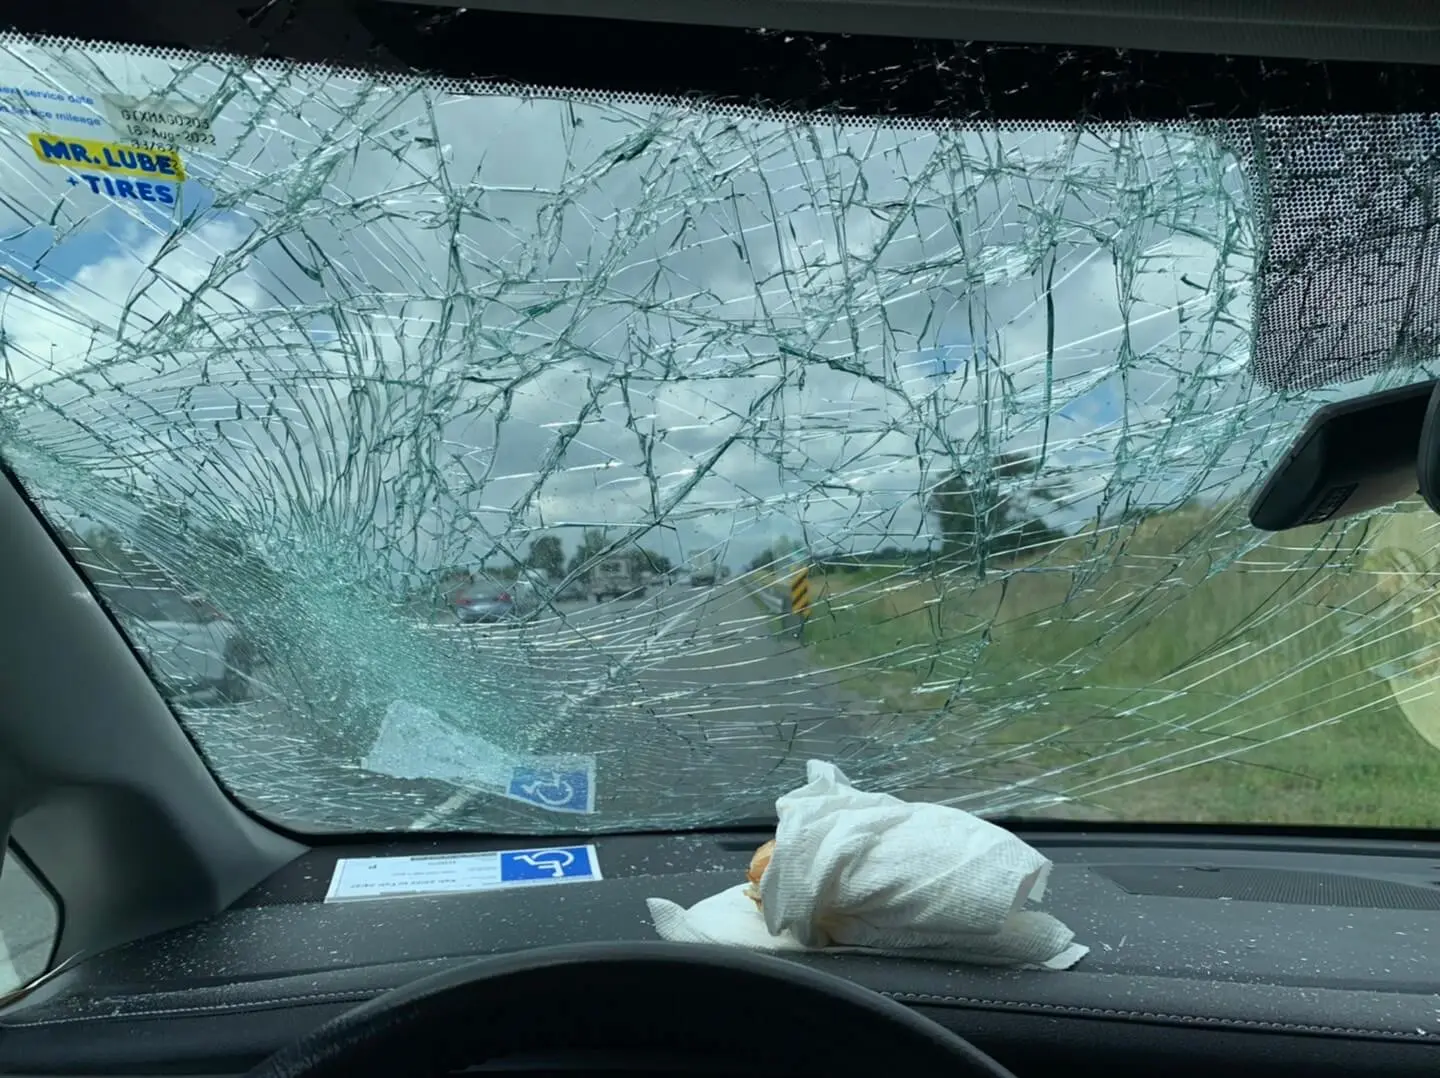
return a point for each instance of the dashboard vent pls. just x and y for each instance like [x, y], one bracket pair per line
[1270, 885]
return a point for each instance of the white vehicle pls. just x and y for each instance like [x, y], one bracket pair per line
[704, 570]
[529, 592]
[194, 651]
[616, 578]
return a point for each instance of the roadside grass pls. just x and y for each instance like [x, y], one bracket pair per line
[1171, 670]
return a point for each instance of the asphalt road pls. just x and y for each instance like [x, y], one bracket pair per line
[695, 704]
[696, 707]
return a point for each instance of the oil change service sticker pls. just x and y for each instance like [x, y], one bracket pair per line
[116, 158]
[115, 170]
[358, 878]
[152, 121]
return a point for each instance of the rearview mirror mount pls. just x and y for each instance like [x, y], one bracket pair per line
[1354, 456]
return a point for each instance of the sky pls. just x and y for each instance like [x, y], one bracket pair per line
[424, 325]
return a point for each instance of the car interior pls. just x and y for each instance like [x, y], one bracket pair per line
[184, 933]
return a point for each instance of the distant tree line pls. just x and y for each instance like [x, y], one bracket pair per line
[997, 512]
[593, 548]
[546, 557]
[990, 514]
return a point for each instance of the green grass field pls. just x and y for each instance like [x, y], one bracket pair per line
[1161, 671]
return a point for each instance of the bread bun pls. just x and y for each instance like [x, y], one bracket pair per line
[759, 862]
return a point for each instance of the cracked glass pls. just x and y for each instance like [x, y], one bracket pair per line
[461, 456]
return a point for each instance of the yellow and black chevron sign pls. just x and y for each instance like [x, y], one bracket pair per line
[800, 593]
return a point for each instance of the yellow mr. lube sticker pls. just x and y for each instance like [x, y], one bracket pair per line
[112, 158]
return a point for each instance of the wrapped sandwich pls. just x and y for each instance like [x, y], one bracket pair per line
[758, 864]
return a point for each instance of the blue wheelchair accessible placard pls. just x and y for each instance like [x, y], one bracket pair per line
[561, 786]
[445, 874]
[559, 864]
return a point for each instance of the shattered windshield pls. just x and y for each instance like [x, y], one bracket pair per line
[550, 461]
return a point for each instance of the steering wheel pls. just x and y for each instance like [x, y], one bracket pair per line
[679, 1004]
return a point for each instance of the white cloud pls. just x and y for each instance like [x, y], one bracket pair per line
[445, 258]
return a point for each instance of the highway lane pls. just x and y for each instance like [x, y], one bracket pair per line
[695, 697]
[694, 704]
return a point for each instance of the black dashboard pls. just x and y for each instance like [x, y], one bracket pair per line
[1255, 954]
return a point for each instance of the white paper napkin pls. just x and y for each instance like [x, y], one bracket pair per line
[869, 873]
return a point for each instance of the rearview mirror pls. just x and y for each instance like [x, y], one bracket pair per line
[1353, 456]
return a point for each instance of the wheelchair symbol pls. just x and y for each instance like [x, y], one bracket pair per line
[555, 789]
[556, 792]
[553, 861]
